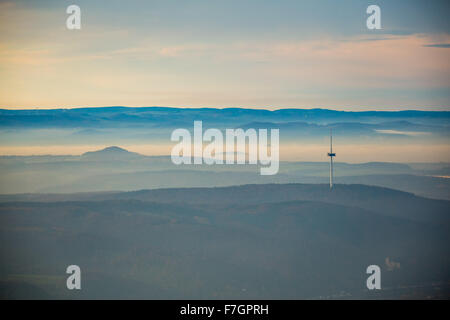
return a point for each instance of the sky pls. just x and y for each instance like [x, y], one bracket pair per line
[246, 53]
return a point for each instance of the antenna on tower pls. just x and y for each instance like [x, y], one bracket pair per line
[331, 155]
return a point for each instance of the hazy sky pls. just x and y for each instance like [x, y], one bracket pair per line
[272, 54]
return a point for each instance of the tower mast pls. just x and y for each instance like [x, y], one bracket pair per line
[331, 155]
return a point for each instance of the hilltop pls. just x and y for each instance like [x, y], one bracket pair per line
[112, 153]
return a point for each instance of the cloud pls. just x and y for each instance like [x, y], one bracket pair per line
[438, 45]
[405, 133]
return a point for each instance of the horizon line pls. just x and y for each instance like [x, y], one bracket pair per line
[215, 108]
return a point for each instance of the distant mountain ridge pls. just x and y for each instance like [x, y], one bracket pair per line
[388, 201]
[123, 116]
[117, 169]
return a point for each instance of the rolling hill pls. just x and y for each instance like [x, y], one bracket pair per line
[245, 242]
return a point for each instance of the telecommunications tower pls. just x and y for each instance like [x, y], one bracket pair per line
[331, 155]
